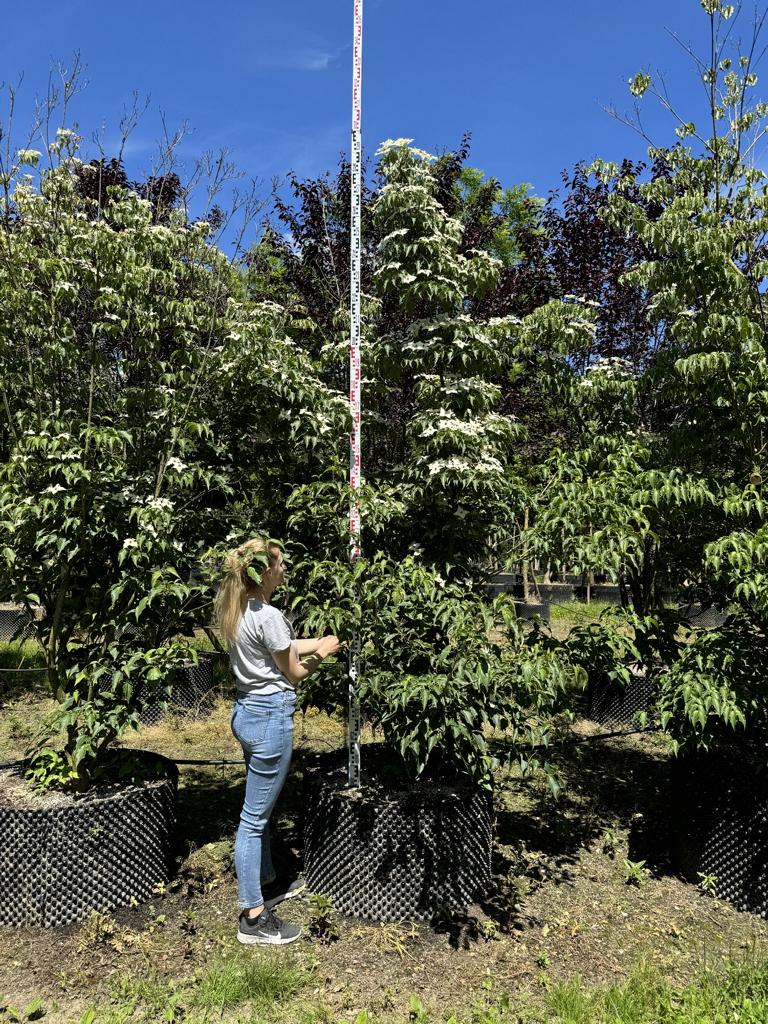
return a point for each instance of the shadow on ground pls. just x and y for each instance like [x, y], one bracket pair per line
[208, 810]
[609, 785]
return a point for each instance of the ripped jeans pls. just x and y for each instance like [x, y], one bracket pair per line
[263, 724]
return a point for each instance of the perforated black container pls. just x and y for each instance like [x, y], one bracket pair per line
[502, 583]
[531, 609]
[612, 705]
[15, 623]
[720, 824]
[404, 854]
[555, 593]
[58, 864]
[192, 693]
[709, 618]
[608, 593]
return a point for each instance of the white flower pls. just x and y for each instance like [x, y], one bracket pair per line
[162, 504]
[486, 464]
[28, 156]
[54, 489]
[388, 144]
[177, 464]
[130, 542]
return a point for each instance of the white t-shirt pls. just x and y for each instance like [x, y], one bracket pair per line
[262, 630]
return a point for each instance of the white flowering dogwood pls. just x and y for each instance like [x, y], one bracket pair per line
[456, 478]
[146, 411]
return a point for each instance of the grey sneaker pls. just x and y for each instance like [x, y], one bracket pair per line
[266, 930]
[278, 889]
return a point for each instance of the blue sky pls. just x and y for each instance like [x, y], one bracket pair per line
[271, 81]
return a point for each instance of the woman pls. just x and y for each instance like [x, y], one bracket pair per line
[267, 661]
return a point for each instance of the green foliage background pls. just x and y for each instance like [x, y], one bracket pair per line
[161, 402]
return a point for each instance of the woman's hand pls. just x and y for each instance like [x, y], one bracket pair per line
[294, 670]
[328, 645]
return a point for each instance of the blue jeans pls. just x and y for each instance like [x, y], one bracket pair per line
[263, 724]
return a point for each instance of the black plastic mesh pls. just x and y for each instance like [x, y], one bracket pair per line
[399, 857]
[607, 593]
[59, 864]
[555, 593]
[611, 704]
[192, 693]
[720, 827]
[14, 624]
[710, 618]
[529, 610]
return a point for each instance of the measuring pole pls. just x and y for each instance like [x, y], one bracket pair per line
[354, 374]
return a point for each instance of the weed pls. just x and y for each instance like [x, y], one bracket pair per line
[520, 887]
[32, 1011]
[416, 1012]
[636, 873]
[489, 981]
[151, 991]
[265, 980]
[156, 921]
[188, 924]
[324, 922]
[542, 959]
[488, 929]
[394, 937]
[707, 884]
[113, 1015]
[491, 1012]
[97, 929]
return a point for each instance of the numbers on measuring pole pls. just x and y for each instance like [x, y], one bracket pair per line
[355, 380]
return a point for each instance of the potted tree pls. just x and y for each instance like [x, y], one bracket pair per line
[437, 687]
[675, 496]
[122, 343]
[440, 506]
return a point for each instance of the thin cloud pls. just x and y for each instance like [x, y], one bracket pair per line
[299, 59]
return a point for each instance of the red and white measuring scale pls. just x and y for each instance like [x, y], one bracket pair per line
[354, 374]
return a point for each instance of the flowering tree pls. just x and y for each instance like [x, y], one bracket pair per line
[454, 476]
[141, 401]
[665, 484]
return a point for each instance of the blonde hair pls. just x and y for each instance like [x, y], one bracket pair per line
[232, 596]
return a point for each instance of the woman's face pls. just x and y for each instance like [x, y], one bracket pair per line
[275, 574]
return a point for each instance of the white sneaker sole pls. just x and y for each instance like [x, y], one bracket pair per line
[265, 940]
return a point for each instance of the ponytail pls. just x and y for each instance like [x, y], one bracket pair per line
[239, 574]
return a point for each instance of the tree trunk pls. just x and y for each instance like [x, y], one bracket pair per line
[526, 564]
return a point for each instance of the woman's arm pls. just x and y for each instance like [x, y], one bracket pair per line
[307, 646]
[294, 670]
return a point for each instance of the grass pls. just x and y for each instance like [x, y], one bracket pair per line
[263, 986]
[264, 980]
[578, 613]
[25, 655]
[737, 994]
